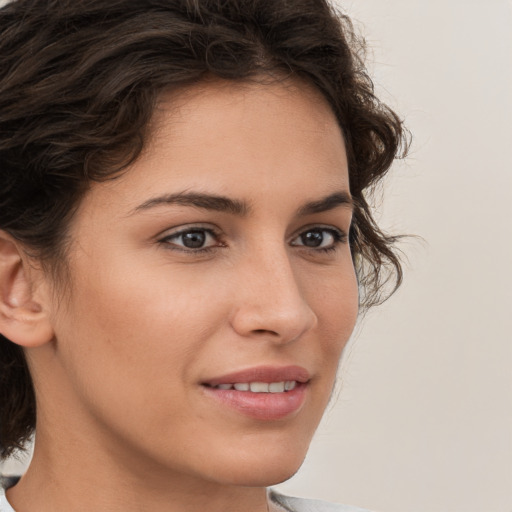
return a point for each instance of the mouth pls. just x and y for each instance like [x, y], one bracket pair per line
[261, 393]
[260, 387]
[258, 379]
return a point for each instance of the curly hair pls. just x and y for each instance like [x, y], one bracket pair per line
[79, 80]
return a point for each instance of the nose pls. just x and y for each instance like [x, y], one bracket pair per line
[269, 301]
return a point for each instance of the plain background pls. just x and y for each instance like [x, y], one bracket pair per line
[422, 421]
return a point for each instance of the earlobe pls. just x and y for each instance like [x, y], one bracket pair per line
[23, 319]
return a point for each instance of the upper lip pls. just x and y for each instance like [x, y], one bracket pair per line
[263, 374]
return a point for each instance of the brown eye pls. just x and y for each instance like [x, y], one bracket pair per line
[191, 239]
[312, 238]
[319, 238]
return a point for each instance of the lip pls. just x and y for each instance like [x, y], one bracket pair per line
[261, 406]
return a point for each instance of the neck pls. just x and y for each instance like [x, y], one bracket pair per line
[65, 481]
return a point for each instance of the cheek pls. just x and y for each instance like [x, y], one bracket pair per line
[336, 304]
[134, 331]
[130, 344]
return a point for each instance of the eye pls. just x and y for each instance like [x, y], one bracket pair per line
[319, 238]
[192, 239]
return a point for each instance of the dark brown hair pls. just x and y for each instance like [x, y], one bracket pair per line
[78, 84]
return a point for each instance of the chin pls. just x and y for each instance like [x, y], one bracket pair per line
[262, 470]
[276, 476]
[261, 477]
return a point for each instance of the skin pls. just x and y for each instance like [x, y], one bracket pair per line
[124, 422]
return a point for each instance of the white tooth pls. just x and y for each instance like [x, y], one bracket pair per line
[276, 387]
[259, 387]
[242, 386]
[289, 385]
[225, 386]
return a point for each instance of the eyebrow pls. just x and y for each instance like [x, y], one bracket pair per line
[198, 200]
[330, 202]
[241, 208]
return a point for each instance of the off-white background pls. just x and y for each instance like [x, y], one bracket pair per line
[423, 419]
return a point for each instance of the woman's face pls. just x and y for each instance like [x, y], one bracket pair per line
[219, 258]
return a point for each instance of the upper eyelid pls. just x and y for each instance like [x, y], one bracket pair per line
[178, 230]
[324, 227]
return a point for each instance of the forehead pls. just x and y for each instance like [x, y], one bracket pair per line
[238, 139]
[238, 102]
[252, 106]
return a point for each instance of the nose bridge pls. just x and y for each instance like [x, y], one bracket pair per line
[272, 301]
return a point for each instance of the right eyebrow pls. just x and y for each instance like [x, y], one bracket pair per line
[332, 201]
[197, 200]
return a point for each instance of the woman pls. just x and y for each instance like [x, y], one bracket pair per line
[184, 245]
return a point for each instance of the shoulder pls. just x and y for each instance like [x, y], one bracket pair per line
[5, 483]
[292, 504]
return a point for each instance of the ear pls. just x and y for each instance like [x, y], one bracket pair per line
[23, 319]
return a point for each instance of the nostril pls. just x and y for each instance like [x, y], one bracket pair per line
[264, 331]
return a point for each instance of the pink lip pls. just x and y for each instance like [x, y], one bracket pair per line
[261, 406]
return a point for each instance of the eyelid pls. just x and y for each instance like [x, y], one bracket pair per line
[183, 228]
[319, 227]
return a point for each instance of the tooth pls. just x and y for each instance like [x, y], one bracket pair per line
[289, 385]
[242, 386]
[259, 387]
[225, 386]
[276, 387]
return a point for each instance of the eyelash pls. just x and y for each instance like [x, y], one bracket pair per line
[339, 237]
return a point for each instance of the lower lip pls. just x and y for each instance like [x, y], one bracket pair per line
[261, 406]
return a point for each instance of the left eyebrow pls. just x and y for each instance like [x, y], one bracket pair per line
[330, 202]
[198, 200]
